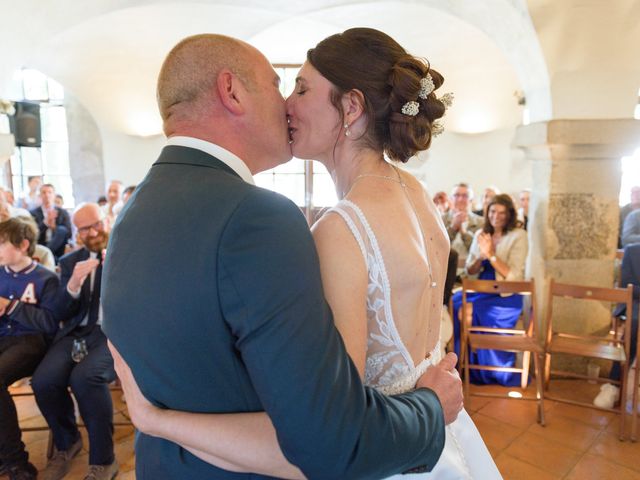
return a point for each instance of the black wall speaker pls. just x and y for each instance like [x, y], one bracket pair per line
[26, 124]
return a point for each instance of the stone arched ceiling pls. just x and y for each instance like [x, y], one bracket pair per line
[108, 52]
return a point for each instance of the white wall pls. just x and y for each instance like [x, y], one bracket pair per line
[478, 159]
[128, 158]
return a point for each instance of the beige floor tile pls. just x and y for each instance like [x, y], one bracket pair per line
[592, 467]
[519, 413]
[567, 431]
[608, 446]
[512, 468]
[589, 416]
[496, 434]
[549, 455]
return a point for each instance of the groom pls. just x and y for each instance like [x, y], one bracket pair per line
[212, 291]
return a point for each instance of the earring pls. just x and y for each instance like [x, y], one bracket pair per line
[346, 130]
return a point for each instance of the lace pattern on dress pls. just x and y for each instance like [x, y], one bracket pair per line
[389, 367]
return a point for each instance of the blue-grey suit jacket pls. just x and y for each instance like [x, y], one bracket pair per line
[212, 293]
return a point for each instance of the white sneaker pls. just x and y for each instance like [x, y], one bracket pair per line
[607, 397]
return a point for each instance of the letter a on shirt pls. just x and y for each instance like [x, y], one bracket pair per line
[29, 295]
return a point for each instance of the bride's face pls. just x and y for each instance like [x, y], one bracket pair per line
[314, 123]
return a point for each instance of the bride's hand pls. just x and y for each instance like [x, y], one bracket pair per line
[142, 412]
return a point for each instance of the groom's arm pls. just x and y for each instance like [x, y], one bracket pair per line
[327, 423]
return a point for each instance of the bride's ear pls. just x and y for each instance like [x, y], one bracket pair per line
[352, 106]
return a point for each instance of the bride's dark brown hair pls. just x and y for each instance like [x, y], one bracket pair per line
[375, 64]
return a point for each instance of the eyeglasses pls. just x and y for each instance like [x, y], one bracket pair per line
[99, 225]
[461, 195]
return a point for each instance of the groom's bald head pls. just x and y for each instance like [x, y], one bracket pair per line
[190, 71]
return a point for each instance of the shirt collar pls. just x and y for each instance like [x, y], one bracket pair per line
[225, 156]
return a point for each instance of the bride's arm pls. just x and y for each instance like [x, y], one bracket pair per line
[238, 442]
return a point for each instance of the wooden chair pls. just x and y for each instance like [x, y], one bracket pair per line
[506, 339]
[608, 347]
[634, 399]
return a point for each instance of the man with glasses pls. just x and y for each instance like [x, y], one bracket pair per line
[461, 222]
[79, 357]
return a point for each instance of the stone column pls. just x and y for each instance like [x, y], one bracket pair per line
[574, 213]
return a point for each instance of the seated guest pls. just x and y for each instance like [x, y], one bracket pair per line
[631, 229]
[487, 196]
[126, 194]
[632, 206]
[53, 222]
[27, 296]
[114, 201]
[461, 223]
[441, 201]
[629, 274]
[9, 211]
[31, 199]
[498, 252]
[523, 211]
[44, 257]
[79, 358]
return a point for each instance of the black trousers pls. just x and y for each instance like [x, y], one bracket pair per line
[89, 381]
[19, 357]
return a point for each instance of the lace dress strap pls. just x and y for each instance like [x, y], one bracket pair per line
[341, 209]
[385, 347]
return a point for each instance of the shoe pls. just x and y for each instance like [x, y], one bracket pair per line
[25, 471]
[608, 396]
[60, 464]
[102, 472]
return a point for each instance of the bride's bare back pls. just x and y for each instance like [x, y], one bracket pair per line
[416, 277]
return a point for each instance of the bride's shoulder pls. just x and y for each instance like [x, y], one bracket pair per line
[330, 225]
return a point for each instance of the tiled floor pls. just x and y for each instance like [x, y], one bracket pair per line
[577, 443]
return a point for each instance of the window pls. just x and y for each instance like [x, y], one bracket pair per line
[630, 176]
[305, 182]
[51, 159]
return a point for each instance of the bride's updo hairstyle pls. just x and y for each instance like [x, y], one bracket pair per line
[375, 64]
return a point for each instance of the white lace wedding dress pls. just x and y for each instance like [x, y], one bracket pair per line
[391, 370]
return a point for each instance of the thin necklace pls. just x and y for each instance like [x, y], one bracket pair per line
[413, 207]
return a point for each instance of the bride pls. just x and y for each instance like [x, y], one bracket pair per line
[383, 249]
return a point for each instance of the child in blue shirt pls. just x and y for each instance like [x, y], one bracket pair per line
[27, 296]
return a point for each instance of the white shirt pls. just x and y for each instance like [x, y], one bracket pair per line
[76, 295]
[225, 156]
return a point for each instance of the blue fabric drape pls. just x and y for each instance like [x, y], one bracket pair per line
[490, 310]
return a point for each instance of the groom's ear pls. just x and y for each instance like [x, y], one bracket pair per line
[352, 105]
[231, 92]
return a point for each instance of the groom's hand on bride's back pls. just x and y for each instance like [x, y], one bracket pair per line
[444, 380]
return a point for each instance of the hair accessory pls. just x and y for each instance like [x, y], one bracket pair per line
[436, 128]
[447, 99]
[426, 86]
[411, 108]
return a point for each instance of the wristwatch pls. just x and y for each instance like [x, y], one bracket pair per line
[492, 258]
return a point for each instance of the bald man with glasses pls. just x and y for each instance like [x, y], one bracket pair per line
[79, 357]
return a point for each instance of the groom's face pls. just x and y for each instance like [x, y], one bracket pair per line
[271, 139]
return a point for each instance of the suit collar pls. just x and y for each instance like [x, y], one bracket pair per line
[225, 156]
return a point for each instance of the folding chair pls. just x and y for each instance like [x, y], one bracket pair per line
[505, 339]
[608, 347]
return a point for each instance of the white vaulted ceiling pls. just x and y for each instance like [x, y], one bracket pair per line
[108, 53]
